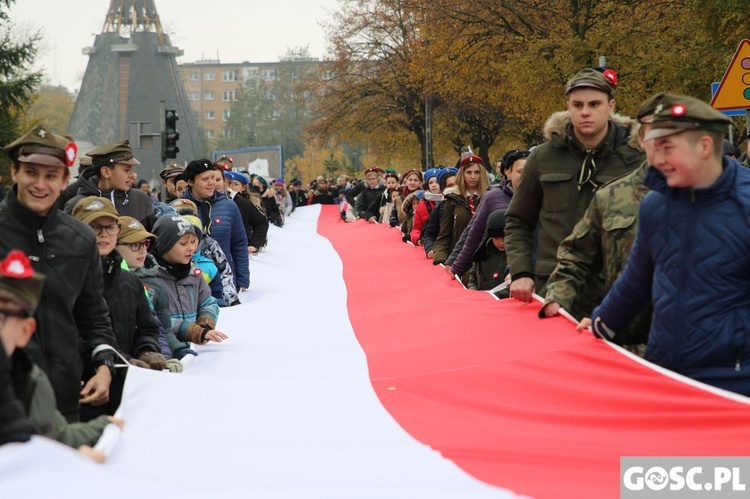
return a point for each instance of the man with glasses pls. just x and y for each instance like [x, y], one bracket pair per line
[72, 310]
[586, 148]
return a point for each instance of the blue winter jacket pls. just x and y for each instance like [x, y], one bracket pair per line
[691, 259]
[222, 221]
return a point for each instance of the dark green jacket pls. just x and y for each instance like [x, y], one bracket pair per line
[35, 392]
[549, 199]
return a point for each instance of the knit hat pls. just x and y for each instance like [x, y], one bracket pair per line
[168, 230]
[90, 208]
[19, 284]
[196, 167]
[196, 223]
[496, 224]
[184, 206]
[133, 231]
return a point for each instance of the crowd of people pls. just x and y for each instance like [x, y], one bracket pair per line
[638, 228]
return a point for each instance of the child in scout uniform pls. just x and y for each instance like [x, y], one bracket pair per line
[691, 256]
[490, 266]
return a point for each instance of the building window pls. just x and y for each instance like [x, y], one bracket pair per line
[229, 95]
[230, 75]
[194, 96]
[195, 76]
[208, 95]
[210, 134]
[269, 74]
[208, 77]
[226, 114]
[227, 134]
[210, 115]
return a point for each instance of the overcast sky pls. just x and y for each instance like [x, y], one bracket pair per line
[236, 30]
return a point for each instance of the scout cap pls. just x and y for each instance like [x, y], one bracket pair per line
[42, 147]
[113, 153]
[171, 170]
[133, 231]
[592, 78]
[90, 208]
[19, 284]
[648, 107]
[679, 113]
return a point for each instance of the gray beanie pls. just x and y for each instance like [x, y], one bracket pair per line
[168, 229]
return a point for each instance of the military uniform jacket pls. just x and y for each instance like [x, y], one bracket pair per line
[601, 242]
[73, 310]
[549, 199]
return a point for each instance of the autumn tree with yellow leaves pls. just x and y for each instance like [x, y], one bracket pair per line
[494, 70]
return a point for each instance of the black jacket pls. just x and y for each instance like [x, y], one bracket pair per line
[368, 204]
[132, 203]
[255, 221]
[133, 324]
[72, 309]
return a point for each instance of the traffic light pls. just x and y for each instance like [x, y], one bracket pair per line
[171, 135]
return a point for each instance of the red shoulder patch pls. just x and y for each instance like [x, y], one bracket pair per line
[197, 272]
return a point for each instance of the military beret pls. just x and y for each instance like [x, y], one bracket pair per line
[43, 147]
[647, 108]
[409, 172]
[511, 157]
[592, 78]
[113, 153]
[90, 208]
[680, 113]
[184, 206]
[196, 167]
[468, 158]
[19, 284]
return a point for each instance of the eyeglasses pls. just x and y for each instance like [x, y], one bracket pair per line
[135, 247]
[112, 229]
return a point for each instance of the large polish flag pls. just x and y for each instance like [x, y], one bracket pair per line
[356, 369]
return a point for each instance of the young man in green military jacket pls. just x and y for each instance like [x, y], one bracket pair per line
[586, 149]
[601, 241]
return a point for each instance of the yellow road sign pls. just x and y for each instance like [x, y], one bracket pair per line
[734, 90]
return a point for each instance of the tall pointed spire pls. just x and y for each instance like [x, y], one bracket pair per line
[132, 68]
[128, 16]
